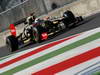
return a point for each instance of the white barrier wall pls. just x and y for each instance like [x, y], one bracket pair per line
[80, 7]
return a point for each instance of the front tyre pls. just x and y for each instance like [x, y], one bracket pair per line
[69, 18]
[12, 43]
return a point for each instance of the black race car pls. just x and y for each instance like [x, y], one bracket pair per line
[41, 30]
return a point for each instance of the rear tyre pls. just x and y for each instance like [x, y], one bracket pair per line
[37, 31]
[12, 43]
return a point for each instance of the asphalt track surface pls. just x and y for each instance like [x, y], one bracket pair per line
[89, 23]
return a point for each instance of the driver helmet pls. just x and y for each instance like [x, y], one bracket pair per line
[37, 20]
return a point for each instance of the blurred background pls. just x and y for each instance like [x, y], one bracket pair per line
[12, 11]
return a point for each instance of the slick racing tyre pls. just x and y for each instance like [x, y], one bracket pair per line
[68, 18]
[12, 43]
[69, 14]
[37, 31]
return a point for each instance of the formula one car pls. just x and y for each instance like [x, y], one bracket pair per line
[41, 30]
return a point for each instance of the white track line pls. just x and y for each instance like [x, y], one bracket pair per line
[80, 67]
[57, 59]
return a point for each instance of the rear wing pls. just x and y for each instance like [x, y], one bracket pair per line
[12, 30]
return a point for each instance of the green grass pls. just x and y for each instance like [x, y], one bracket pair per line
[96, 73]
